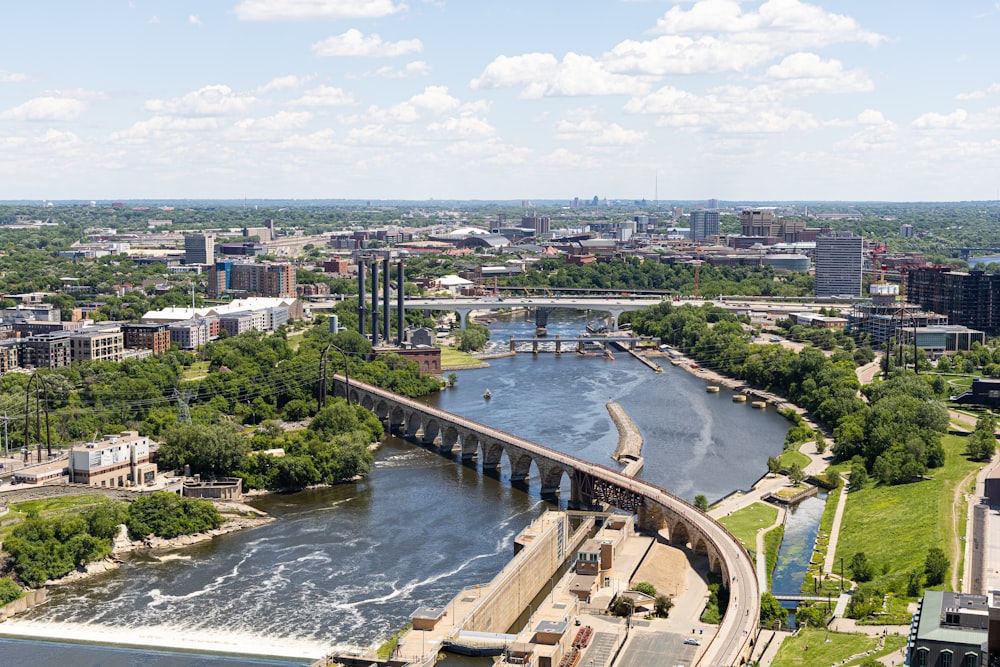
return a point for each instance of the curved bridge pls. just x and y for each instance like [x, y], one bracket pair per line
[591, 485]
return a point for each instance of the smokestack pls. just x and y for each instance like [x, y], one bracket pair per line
[361, 295]
[374, 301]
[386, 322]
[399, 303]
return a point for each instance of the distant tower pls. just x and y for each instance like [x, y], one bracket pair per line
[704, 223]
[839, 260]
[198, 249]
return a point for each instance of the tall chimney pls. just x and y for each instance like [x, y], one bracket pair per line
[399, 303]
[374, 301]
[361, 295]
[386, 322]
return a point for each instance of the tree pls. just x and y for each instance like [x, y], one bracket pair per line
[936, 566]
[701, 502]
[773, 464]
[808, 615]
[212, 450]
[646, 588]
[859, 476]
[981, 444]
[861, 568]
[831, 478]
[771, 609]
[662, 606]
[795, 474]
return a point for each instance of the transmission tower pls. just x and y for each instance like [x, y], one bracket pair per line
[183, 410]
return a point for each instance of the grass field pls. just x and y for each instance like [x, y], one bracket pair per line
[885, 522]
[745, 523]
[452, 358]
[789, 456]
[195, 371]
[772, 542]
[813, 646]
[47, 507]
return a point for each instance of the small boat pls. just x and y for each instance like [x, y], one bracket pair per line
[487, 394]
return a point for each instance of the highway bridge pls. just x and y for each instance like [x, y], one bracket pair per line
[591, 486]
[614, 306]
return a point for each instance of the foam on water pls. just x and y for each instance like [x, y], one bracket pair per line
[186, 638]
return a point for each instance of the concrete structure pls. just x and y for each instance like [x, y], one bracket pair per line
[942, 339]
[884, 315]
[155, 337]
[984, 391]
[838, 263]
[199, 249]
[970, 298]
[591, 486]
[10, 355]
[265, 279]
[704, 223]
[949, 630]
[100, 344]
[48, 350]
[224, 488]
[171, 315]
[191, 334]
[820, 321]
[464, 306]
[116, 461]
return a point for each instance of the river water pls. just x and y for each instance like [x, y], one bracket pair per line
[346, 566]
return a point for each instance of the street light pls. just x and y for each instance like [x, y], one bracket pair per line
[841, 574]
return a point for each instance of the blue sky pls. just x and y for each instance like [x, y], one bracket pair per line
[470, 99]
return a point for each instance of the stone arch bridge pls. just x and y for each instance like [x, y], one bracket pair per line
[591, 486]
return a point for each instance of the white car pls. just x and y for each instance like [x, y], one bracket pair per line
[693, 641]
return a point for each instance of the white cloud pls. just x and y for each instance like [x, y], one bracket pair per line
[872, 117]
[936, 121]
[434, 98]
[410, 69]
[284, 83]
[153, 20]
[215, 100]
[542, 75]
[592, 132]
[283, 121]
[12, 77]
[194, 20]
[355, 43]
[324, 96]
[993, 89]
[465, 127]
[308, 10]
[46, 109]
[808, 73]
[771, 122]
[800, 22]
[165, 130]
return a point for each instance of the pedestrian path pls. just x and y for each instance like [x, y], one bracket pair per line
[831, 548]
[763, 580]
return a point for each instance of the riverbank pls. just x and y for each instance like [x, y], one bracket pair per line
[238, 517]
[629, 437]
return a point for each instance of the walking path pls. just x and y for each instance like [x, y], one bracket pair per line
[838, 515]
[973, 499]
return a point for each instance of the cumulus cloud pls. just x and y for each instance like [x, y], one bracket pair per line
[993, 89]
[284, 83]
[543, 75]
[215, 100]
[592, 132]
[936, 121]
[324, 96]
[46, 109]
[309, 10]
[355, 43]
[12, 77]
[194, 20]
[872, 117]
[279, 122]
[410, 69]
[808, 73]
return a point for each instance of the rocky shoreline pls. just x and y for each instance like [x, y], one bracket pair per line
[245, 517]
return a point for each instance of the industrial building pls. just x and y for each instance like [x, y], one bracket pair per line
[116, 461]
[969, 298]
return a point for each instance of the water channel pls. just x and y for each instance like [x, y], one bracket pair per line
[346, 566]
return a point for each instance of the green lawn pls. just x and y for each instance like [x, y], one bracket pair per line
[47, 507]
[195, 371]
[886, 522]
[790, 456]
[452, 358]
[745, 523]
[794, 651]
[772, 542]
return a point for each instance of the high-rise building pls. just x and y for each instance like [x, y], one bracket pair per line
[839, 260]
[969, 298]
[756, 222]
[265, 279]
[713, 203]
[198, 249]
[704, 223]
[906, 231]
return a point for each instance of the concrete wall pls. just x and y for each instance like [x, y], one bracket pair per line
[30, 599]
[527, 574]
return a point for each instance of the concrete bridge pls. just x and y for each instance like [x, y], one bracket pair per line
[465, 305]
[591, 486]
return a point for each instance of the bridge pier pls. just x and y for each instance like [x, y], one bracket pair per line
[558, 345]
[534, 347]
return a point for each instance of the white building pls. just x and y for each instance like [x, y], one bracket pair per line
[116, 461]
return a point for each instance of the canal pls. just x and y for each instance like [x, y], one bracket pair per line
[346, 566]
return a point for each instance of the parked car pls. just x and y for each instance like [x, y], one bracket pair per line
[693, 641]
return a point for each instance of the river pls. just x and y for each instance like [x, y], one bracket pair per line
[347, 565]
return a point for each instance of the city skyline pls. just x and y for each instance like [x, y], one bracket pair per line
[379, 99]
